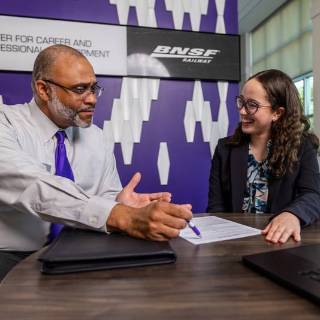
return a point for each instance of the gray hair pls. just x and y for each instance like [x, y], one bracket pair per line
[45, 60]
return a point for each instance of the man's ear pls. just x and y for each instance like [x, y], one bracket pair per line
[278, 113]
[43, 92]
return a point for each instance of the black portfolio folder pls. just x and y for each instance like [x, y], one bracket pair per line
[76, 250]
[296, 268]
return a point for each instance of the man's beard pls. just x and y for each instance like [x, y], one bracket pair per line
[68, 114]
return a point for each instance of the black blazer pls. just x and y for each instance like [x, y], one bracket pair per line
[297, 192]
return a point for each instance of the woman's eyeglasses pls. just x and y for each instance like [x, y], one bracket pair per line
[251, 106]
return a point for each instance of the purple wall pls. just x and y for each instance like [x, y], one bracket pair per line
[190, 162]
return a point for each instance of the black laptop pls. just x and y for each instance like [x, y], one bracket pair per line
[297, 268]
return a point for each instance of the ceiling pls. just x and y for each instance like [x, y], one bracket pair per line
[252, 12]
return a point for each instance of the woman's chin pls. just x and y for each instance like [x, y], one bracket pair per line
[247, 128]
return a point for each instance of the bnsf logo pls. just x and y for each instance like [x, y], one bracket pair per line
[179, 52]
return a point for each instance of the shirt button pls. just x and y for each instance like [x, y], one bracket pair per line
[93, 220]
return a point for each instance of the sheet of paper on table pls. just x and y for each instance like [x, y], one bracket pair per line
[215, 229]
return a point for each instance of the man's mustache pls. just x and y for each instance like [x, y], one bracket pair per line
[86, 109]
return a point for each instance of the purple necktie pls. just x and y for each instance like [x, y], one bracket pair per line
[63, 169]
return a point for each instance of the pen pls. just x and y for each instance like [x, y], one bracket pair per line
[194, 228]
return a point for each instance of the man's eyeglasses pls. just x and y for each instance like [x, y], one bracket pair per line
[251, 106]
[80, 90]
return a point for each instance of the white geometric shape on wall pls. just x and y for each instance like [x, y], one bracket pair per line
[145, 12]
[117, 119]
[127, 142]
[220, 25]
[214, 137]
[223, 90]
[108, 133]
[223, 119]
[129, 112]
[197, 100]
[148, 90]
[189, 122]
[144, 8]
[195, 8]
[206, 121]
[163, 163]
[122, 9]
[197, 110]
[136, 121]
[219, 128]
[177, 9]
[1, 100]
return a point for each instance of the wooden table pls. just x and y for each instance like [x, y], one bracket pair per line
[207, 282]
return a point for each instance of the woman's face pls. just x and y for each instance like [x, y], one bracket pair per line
[259, 123]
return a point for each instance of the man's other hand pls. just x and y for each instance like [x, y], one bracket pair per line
[138, 200]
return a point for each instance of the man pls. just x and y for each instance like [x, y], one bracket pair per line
[33, 193]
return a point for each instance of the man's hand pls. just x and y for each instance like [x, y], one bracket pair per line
[157, 221]
[282, 227]
[138, 200]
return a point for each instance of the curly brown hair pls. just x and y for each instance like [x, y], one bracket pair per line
[288, 131]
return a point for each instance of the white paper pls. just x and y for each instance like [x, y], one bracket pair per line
[215, 229]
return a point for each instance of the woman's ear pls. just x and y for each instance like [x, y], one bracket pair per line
[278, 113]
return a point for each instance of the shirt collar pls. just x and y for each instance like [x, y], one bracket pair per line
[70, 133]
[269, 146]
[47, 127]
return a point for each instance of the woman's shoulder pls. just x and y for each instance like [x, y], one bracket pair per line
[224, 143]
[309, 141]
[228, 143]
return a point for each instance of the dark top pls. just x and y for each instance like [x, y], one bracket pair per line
[297, 192]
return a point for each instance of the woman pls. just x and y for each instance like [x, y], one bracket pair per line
[270, 163]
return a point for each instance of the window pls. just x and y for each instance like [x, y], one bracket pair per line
[304, 85]
[284, 40]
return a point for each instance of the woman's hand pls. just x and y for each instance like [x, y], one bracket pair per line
[282, 227]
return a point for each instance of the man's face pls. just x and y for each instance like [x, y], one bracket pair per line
[67, 116]
[71, 101]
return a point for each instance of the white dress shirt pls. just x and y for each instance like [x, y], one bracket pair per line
[29, 190]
